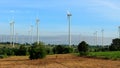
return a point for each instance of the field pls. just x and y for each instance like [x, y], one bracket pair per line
[114, 55]
[58, 61]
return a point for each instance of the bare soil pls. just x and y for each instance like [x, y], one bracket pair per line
[58, 61]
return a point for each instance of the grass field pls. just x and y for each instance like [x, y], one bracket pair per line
[115, 55]
[61, 61]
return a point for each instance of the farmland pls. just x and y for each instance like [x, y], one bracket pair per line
[57, 61]
[114, 55]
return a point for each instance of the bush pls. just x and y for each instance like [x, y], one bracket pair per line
[115, 46]
[60, 49]
[22, 51]
[68, 50]
[49, 51]
[37, 51]
[10, 52]
[6, 51]
[83, 48]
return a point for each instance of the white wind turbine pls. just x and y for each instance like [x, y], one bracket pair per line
[69, 30]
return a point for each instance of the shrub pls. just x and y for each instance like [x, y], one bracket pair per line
[60, 49]
[37, 51]
[68, 50]
[49, 50]
[115, 46]
[83, 48]
[7, 51]
[22, 51]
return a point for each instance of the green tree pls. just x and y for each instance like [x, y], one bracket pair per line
[49, 50]
[115, 46]
[21, 51]
[58, 49]
[83, 48]
[62, 49]
[68, 50]
[37, 51]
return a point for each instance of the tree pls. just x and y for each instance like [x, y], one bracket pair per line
[83, 48]
[37, 51]
[21, 51]
[49, 50]
[58, 49]
[115, 46]
[62, 49]
[6, 51]
[68, 50]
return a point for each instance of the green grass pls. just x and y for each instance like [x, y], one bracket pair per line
[115, 55]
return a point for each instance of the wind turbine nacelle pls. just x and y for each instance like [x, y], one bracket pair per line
[69, 14]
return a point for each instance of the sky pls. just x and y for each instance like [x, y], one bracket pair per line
[88, 16]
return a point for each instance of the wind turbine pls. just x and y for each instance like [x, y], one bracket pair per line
[69, 33]
[96, 37]
[11, 33]
[37, 23]
[12, 28]
[29, 38]
[16, 38]
[31, 34]
[102, 36]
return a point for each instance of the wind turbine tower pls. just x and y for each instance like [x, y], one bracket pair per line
[31, 34]
[96, 37]
[102, 36]
[69, 31]
[16, 37]
[12, 32]
[37, 22]
[29, 38]
[12, 29]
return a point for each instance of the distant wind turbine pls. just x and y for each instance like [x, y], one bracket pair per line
[16, 38]
[37, 22]
[102, 36]
[31, 34]
[12, 32]
[96, 38]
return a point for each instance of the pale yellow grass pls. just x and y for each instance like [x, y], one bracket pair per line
[57, 61]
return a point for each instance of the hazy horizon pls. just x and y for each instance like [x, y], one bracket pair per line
[60, 39]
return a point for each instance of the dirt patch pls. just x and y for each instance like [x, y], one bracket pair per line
[57, 61]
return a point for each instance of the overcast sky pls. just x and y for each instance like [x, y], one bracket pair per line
[88, 16]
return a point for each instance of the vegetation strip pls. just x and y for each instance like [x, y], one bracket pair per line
[114, 55]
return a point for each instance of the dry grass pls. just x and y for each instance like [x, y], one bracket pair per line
[57, 61]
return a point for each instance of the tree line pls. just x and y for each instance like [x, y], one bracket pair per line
[40, 50]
